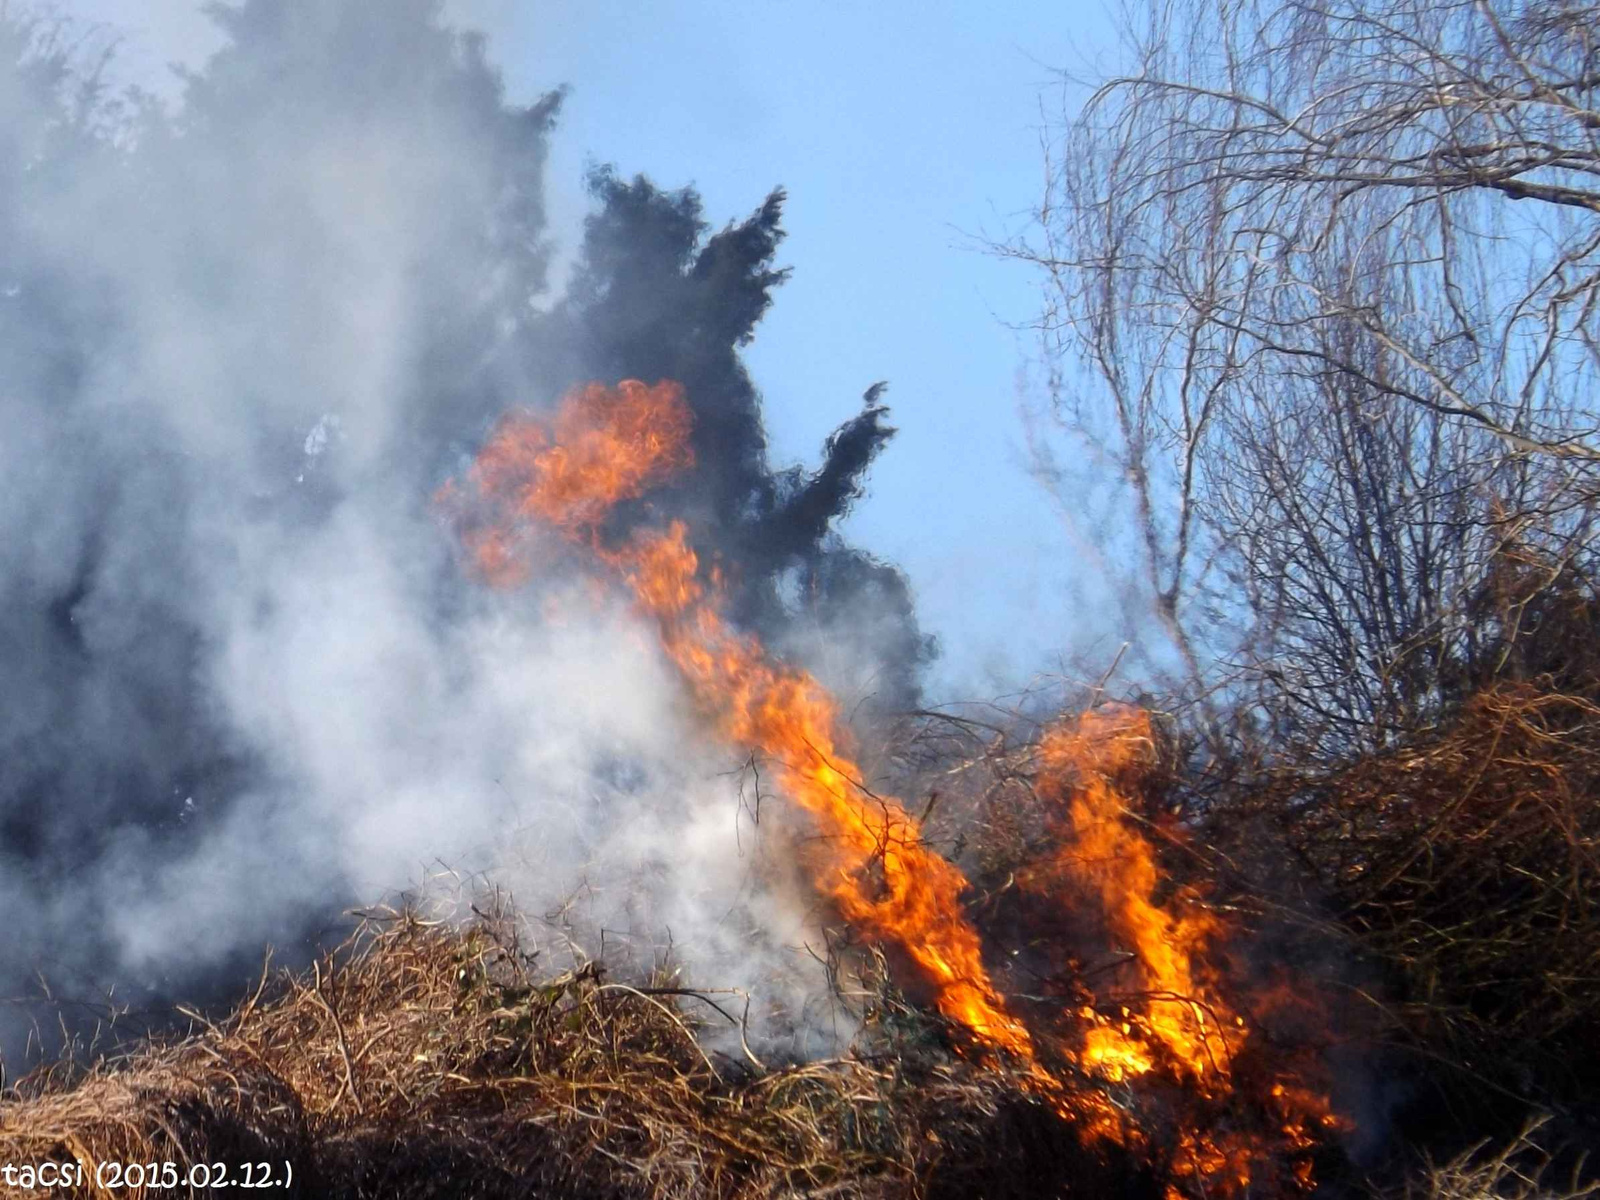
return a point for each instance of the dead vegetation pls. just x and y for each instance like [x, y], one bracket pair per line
[427, 1059]
[1445, 906]
[1461, 871]
[1471, 862]
[1518, 1170]
[1427, 914]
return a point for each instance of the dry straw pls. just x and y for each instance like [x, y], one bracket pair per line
[426, 1059]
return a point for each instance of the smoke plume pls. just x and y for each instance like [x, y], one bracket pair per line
[248, 683]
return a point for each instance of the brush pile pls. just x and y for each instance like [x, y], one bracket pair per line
[1468, 858]
[427, 1059]
[1465, 866]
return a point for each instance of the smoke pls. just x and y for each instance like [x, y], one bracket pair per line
[248, 682]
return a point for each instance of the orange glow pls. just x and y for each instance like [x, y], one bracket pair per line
[1110, 1053]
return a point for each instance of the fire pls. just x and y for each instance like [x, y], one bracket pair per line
[1112, 1054]
[1100, 850]
[604, 446]
[879, 874]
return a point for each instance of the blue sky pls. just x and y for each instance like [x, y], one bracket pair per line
[902, 131]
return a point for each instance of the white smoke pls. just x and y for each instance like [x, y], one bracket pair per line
[249, 682]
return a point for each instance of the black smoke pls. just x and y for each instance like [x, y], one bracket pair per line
[241, 345]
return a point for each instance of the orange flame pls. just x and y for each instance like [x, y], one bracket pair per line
[1100, 850]
[604, 446]
[881, 876]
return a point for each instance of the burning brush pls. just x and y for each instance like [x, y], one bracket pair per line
[1163, 1067]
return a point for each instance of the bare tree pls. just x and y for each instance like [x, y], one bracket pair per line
[1361, 536]
[1323, 283]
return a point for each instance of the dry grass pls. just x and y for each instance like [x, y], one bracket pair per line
[424, 1059]
[428, 1058]
[1519, 1170]
[1469, 862]
[1436, 905]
